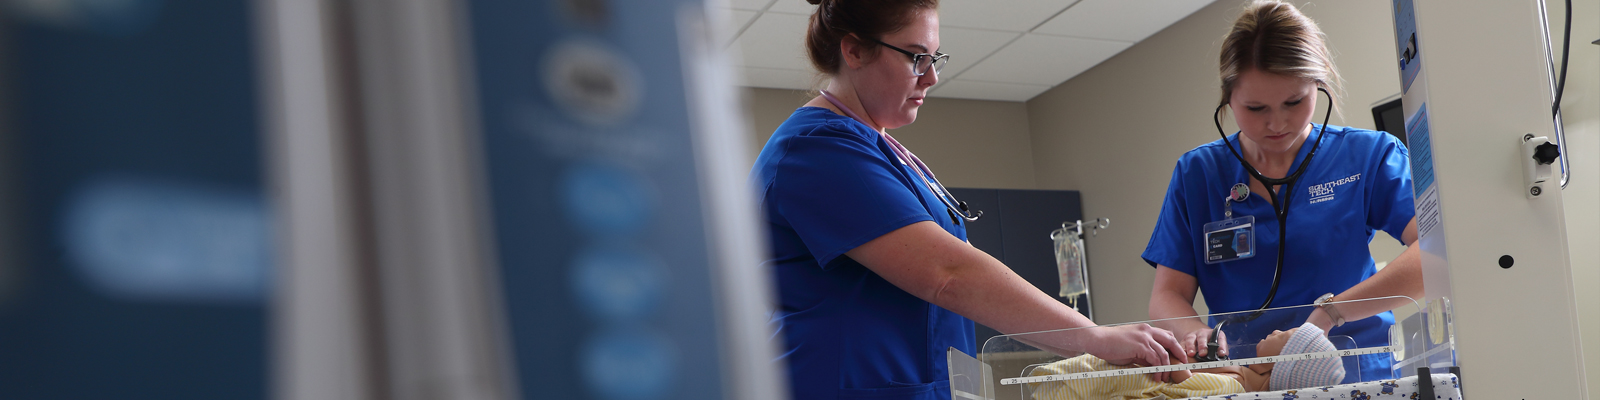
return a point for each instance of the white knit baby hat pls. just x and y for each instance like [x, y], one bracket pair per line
[1305, 373]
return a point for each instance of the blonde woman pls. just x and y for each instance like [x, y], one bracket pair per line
[1275, 68]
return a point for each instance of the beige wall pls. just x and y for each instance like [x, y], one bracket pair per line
[1115, 132]
[967, 143]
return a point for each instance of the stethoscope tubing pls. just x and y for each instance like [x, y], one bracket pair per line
[1281, 209]
[956, 207]
[948, 199]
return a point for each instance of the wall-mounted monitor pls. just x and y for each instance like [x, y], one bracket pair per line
[1390, 117]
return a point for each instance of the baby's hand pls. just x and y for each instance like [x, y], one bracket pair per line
[1176, 377]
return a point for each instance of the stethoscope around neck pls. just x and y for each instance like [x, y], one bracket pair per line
[957, 208]
[1279, 208]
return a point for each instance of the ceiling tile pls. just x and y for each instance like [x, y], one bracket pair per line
[774, 41]
[777, 78]
[967, 46]
[749, 5]
[1043, 60]
[1012, 16]
[1129, 21]
[800, 7]
[737, 19]
[962, 89]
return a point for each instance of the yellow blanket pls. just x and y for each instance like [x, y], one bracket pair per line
[1123, 387]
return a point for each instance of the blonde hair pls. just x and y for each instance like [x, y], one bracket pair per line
[1275, 38]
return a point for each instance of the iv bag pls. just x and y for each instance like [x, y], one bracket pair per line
[1071, 264]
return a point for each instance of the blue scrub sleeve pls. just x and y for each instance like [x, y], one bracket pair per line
[1171, 243]
[1392, 203]
[837, 190]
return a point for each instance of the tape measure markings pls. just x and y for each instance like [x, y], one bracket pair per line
[1199, 365]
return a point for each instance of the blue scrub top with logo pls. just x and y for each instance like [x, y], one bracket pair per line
[1358, 183]
[828, 184]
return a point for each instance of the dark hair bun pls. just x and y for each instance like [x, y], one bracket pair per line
[835, 20]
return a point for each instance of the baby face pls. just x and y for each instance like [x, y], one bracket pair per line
[1273, 344]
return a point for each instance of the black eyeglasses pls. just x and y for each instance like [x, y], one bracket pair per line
[921, 62]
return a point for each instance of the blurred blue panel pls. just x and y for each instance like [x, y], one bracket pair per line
[142, 226]
[153, 240]
[595, 198]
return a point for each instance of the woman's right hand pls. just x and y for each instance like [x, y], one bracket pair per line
[1138, 344]
[1195, 342]
[1172, 306]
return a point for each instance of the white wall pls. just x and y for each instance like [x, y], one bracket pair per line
[967, 143]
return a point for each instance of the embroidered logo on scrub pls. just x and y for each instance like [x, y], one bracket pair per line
[1324, 192]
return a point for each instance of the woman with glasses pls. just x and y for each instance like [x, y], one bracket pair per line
[876, 279]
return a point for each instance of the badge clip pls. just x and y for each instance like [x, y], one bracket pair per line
[1231, 238]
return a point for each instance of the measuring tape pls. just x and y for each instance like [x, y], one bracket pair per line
[1199, 365]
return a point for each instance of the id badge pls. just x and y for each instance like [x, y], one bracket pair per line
[1230, 239]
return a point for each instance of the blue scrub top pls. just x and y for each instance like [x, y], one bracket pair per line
[828, 184]
[1359, 183]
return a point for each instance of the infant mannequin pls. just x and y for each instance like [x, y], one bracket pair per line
[1285, 375]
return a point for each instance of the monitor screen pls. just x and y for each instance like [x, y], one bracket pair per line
[1390, 117]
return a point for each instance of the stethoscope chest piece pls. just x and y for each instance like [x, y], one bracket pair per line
[1214, 346]
[965, 212]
